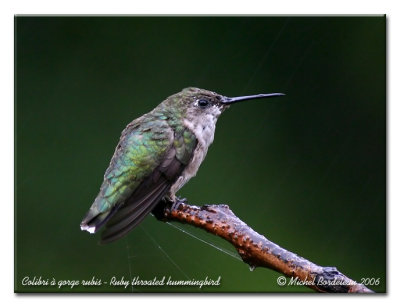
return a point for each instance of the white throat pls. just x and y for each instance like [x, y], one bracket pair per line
[203, 128]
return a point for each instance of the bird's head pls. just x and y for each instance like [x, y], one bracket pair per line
[197, 103]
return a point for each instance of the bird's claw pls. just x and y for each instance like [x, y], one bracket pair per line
[178, 201]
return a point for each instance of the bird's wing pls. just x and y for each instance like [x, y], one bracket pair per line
[147, 161]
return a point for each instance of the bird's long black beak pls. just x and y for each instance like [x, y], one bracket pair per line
[230, 100]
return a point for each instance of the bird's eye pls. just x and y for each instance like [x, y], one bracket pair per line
[203, 103]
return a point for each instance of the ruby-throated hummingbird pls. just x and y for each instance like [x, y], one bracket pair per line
[156, 155]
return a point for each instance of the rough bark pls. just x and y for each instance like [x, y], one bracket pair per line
[258, 251]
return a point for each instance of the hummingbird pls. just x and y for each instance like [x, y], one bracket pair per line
[156, 155]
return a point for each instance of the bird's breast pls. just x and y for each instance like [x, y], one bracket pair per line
[204, 132]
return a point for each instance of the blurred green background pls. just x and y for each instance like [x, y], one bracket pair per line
[307, 170]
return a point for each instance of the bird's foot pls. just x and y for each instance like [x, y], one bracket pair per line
[178, 202]
[168, 203]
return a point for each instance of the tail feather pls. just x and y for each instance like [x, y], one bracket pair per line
[118, 229]
[94, 219]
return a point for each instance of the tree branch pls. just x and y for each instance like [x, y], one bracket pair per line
[256, 250]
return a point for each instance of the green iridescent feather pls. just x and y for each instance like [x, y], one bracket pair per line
[140, 151]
